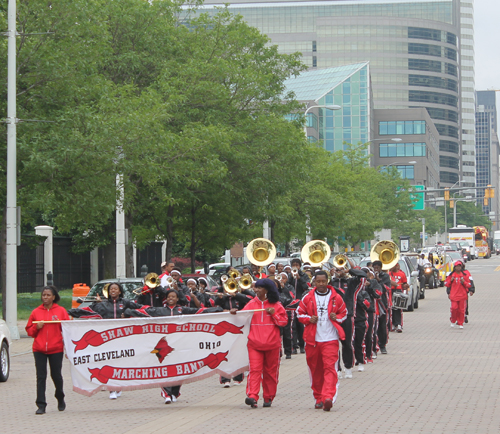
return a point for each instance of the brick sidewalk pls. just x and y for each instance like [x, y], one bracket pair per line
[434, 380]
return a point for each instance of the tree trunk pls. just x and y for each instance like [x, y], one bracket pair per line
[193, 238]
[3, 260]
[109, 260]
[170, 232]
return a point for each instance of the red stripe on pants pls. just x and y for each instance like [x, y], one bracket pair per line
[322, 361]
[458, 312]
[264, 368]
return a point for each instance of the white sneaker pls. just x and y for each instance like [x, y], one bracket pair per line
[374, 355]
[174, 399]
[118, 394]
[226, 385]
[361, 368]
[460, 327]
[168, 400]
[340, 375]
[348, 373]
[452, 324]
[399, 329]
[113, 395]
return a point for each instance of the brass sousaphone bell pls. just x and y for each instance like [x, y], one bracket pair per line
[386, 252]
[316, 252]
[261, 252]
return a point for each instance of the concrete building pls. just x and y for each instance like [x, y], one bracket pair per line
[408, 140]
[487, 151]
[412, 48]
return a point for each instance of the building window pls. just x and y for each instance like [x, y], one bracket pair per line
[450, 162]
[424, 49]
[424, 65]
[406, 172]
[451, 69]
[448, 177]
[443, 114]
[401, 127]
[314, 46]
[448, 146]
[447, 130]
[312, 139]
[432, 97]
[429, 81]
[422, 33]
[402, 150]
[315, 61]
[312, 121]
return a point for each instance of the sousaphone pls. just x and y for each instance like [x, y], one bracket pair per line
[386, 252]
[261, 252]
[316, 252]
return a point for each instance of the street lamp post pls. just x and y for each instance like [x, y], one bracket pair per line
[467, 199]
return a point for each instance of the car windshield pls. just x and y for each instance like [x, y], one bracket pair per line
[455, 256]
[128, 287]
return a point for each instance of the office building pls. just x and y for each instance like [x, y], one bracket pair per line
[412, 47]
[487, 150]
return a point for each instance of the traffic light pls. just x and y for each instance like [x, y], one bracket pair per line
[452, 203]
[485, 201]
[447, 194]
[487, 192]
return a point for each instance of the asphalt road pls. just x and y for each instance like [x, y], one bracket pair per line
[435, 379]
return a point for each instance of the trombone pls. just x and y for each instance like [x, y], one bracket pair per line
[340, 261]
[151, 281]
[105, 294]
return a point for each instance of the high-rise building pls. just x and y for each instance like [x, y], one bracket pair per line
[487, 150]
[413, 48]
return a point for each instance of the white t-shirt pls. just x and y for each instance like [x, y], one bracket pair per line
[325, 330]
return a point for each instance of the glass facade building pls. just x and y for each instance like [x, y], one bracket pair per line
[412, 48]
[487, 148]
[347, 87]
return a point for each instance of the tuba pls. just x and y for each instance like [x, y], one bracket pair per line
[340, 261]
[316, 252]
[245, 282]
[386, 252]
[151, 281]
[261, 252]
[231, 286]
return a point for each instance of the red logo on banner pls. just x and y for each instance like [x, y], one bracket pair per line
[162, 349]
[106, 373]
[96, 339]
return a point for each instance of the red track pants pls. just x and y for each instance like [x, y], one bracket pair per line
[264, 368]
[322, 361]
[458, 311]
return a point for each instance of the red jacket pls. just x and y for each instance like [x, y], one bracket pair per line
[458, 290]
[265, 329]
[48, 339]
[307, 308]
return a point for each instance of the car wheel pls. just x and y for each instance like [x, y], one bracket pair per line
[410, 305]
[4, 362]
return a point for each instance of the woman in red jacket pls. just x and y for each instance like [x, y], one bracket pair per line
[48, 345]
[264, 342]
[457, 284]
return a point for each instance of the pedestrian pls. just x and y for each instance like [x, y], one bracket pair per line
[457, 286]
[48, 346]
[264, 342]
[322, 312]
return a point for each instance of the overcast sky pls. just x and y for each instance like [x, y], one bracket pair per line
[487, 44]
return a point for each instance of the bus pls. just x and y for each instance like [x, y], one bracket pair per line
[481, 237]
[461, 234]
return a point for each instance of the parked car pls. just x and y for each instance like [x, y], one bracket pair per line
[129, 285]
[212, 268]
[414, 291]
[5, 343]
[212, 283]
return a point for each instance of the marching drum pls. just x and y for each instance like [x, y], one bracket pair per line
[400, 300]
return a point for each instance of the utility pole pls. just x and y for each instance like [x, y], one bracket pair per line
[11, 217]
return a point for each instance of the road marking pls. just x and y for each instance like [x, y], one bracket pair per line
[498, 268]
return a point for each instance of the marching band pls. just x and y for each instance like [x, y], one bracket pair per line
[339, 315]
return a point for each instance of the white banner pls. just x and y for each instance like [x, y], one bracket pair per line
[140, 353]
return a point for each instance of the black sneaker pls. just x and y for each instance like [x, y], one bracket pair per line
[466, 320]
[40, 411]
[383, 350]
[294, 351]
[318, 405]
[267, 403]
[302, 350]
[251, 402]
[61, 405]
[288, 356]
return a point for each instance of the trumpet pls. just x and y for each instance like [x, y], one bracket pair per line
[245, 282]
[295, 272]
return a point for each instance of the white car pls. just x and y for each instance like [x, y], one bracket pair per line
[5, 342]
[212, 268]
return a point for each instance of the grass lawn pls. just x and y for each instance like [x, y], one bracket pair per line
[27, 302]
